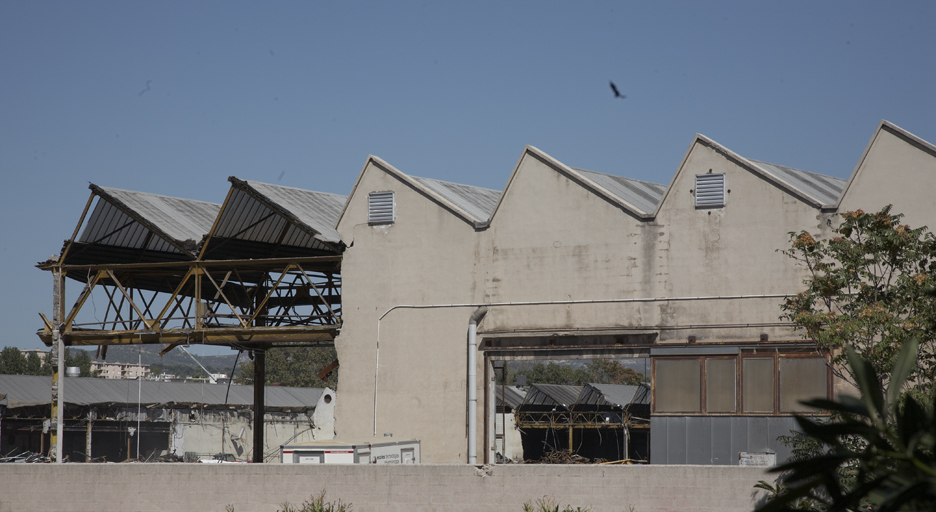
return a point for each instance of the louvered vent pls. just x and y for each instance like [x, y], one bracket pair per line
[709, 190]
[381, 209]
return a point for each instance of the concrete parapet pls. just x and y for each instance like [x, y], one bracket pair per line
[446, 488]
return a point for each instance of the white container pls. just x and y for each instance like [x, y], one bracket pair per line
[357, 451]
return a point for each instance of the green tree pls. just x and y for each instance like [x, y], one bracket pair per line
[608, 371]
[34, 364]
[81, 359]
[12, 361]
[880, 451]
[871, 287]
[297, 367]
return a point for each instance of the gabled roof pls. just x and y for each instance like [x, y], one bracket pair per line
[552, 395]
[316, 212]
[31, 390]
[816, 190]
[127, 220]
[469, 203]
[886, 126]
[260, 220]
[614, 395]
[510, 395]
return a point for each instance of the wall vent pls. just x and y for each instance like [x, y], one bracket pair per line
[709, 190]
[381, 208]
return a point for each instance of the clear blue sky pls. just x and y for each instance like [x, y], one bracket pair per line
[173, 97]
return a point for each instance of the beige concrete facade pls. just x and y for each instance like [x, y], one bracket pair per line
[557, 235]
[375, 488]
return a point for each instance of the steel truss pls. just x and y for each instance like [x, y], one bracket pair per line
[238, 303]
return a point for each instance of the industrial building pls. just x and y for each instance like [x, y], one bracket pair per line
[110, 420]
[419, 281]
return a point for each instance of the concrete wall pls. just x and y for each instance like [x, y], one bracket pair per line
[455, 488]
[554, 237]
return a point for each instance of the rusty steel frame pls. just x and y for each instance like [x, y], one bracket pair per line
[266, 313]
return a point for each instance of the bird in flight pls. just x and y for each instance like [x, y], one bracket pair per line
[616, 93]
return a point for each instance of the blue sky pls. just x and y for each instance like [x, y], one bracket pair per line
[173, 97]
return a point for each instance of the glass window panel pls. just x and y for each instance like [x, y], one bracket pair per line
[720, 385]
[802, 379]
[678, 385]
[758, 384]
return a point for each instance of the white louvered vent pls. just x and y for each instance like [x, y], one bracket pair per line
[381, 208]
[709, 190]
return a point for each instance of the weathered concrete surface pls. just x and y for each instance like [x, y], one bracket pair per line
[446, 488]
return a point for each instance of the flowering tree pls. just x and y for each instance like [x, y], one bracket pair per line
[872, 287]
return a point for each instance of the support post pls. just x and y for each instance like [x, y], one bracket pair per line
[259, 378]
[88, 438]
[58, 366]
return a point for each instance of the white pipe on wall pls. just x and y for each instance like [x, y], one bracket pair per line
[473, 328]
[473, 384]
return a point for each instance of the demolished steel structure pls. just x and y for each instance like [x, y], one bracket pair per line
[260, 270]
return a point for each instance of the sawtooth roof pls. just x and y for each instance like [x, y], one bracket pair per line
[315, 211]
[31, 390]
[825, 189]
[476, 201]
[643, 195]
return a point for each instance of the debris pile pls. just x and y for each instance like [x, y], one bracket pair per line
[561, 457]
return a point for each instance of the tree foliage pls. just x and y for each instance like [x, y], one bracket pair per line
[13, 362]
[871, 286]
[601, 371]
[880, 450]
[297, 367]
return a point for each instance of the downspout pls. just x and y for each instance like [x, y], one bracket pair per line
[473, 384]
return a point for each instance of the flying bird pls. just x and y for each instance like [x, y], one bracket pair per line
[616, 93]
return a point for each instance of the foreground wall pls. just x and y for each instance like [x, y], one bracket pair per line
[263, 487]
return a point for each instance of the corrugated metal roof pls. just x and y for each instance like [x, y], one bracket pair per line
[511, 395]
[318, 211]
[552, 395]
[825, 189]
[643, 195]
[125, 218]
[28, 390]
[475, 201]
[616, 395]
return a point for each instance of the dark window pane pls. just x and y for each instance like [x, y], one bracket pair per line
[758, 384]
[678, 385]
[720, 385]
[802, 379]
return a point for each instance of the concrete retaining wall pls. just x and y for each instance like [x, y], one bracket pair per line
[448, 488]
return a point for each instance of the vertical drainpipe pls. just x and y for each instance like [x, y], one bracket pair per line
[472, 384]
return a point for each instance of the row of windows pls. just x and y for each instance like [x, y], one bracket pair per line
[747, 384]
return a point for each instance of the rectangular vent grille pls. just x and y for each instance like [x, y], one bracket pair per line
[381, 209]
[709, 190]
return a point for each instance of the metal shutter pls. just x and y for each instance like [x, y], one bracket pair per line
[709, 190]
[381, 209]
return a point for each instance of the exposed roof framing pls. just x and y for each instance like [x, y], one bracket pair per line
[259, 220]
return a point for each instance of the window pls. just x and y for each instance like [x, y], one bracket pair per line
[381, 208]
[677, 385]
[751, 383]
[802, 378]
[720, 385]
[758, 384]
[709, 190]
